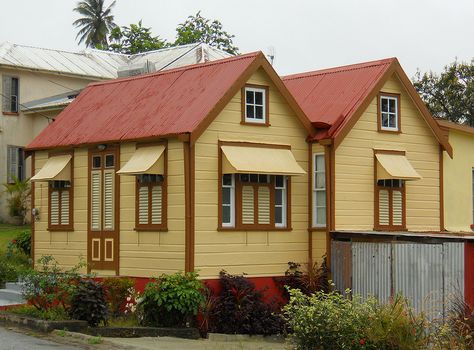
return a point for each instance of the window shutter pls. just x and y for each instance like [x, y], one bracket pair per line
[6, 92]
[143, 205]
[384, 215]
[397, 205]
[54, 211]
[109, 200]
[156, 204]
[12, 163]
[96, 199]
[247, 205]
[64, 207]
[263, 205]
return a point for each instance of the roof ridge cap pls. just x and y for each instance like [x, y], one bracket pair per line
[178, 69]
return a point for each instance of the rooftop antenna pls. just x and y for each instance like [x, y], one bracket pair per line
[271, 54]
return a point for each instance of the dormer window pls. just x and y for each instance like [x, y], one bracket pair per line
[255, 105]
[389, 112]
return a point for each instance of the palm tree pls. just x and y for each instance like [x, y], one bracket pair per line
[95, 24]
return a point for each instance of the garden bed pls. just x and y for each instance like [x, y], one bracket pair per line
[40, 325]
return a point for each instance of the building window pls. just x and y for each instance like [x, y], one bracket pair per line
[150, 194]
[10, 94]
[255, 106]
[59, 204]
[319, 191]
[254, 201]
[389, 112]
[390, 202]
[15, 164]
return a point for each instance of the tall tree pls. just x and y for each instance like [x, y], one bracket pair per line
[134, 39]
[449, 95]
[95, 24]
[199, 29]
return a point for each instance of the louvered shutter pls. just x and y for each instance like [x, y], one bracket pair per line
[143, 205]
[65, 208]
[397, 205]
[263, 205]
[384, 210]
[156, 204]
[54, 210]
[96, 199]
[12, 163]
[247, 205]
[109, 199]
[6, 92]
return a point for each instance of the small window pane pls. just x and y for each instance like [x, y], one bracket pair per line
[392, 120]
[384, 105]
[258, 98]
[259, 112]
[321, 198]
[279, 181]
[96, 162]
[226, 195]
[263, 179]
[320, 180]
[250, 113]
[278, 215]
[109, 161]
[319, 163]
[226, 214]
[250, 96]
[321, 216]
[227, 179]
[385, 119]
[278, 197]
[253, 177]
[244, 177]
[392, 106]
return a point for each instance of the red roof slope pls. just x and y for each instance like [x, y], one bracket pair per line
[329, 97]
[159, 104]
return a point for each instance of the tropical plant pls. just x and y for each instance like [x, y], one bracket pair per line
[21, 243]
[96, 22]
[241, 308]
[134, 39]
[198, 29]
[19, 196]
[88, 303]
[117, 291]
[172, 300]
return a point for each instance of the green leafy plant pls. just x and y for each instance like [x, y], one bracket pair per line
[49, 286]
[21, 243]
[19, 195]
[171, 300]
[117, 291]
[95, 340]
[89, 303]
[7, 271]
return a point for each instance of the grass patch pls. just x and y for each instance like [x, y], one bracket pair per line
[53, 314]
[8, 232]
[95, 340]
[123, 322]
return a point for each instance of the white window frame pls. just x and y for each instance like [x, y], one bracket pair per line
[283, 204]
[232, 201]
[395, 114]
[316, 190]
[263, 105]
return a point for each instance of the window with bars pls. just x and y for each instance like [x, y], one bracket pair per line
[10, 94]
[319, 191]
[255, 106]
[254, 201]
[150, 201]
[389, 111]
[59, 204]
[15, 164]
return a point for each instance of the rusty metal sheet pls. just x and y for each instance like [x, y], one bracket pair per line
[341, 265]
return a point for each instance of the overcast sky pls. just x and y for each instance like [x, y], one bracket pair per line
[305, 34]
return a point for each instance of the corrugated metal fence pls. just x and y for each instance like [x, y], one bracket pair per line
[427, 274]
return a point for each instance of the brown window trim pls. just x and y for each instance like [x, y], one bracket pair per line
[267, 105]
[11, 113]
[377, 188]
[163, 227]
[379, 113]
[238, 195]
[70, 226]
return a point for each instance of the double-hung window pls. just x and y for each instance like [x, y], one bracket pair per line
[255, 105]
[319, 191]
[389, 112]
[10, 94]
[228, 200]
[15, 164]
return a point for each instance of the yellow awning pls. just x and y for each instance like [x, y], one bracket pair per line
[395, 166]
[57, 168]
[259, 160]
[145, 160]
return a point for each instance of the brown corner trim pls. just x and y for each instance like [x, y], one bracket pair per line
[33, 219]
[188, 149]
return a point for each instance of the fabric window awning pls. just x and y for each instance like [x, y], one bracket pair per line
[395, 166]
[259, 160]
[145, 160]
[57, 168]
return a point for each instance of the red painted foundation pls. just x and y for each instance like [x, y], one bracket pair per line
[469, 273]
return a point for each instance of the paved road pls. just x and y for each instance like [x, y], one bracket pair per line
[10, 340]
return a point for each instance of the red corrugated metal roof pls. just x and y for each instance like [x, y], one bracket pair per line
[330, 96]
[159, 104]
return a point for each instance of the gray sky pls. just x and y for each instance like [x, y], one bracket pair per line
[306, 34]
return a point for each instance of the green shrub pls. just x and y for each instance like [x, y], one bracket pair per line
[49, 286]
[88, 303]
[332, 321]
[22, 243]
[171, 300]
[117, 290]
